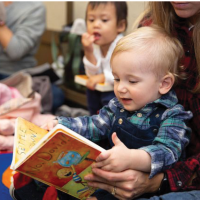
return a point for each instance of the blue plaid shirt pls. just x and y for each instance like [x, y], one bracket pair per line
[168, 145]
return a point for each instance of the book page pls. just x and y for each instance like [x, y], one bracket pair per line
[27, 135]
[62, 161]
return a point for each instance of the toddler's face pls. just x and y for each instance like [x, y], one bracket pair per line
[102, 23]
[134, 84]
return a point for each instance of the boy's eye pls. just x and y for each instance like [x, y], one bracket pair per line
[91, 20]
[116, 79]
[132, 81]
[104, 20]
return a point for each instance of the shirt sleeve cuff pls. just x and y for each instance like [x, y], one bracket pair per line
[90, 68]
[181, 173]
[156, 160]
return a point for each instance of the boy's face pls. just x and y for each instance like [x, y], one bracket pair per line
[102, 23]
[134, 84]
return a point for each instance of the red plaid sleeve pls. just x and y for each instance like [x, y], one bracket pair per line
[180, 175]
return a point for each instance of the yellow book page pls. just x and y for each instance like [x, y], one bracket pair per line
[27, 135]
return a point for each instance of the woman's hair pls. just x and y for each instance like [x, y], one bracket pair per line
[166, 52]
[162, 14]
[120, 7]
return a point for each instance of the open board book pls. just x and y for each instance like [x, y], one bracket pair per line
[102, 87]
[59, 158]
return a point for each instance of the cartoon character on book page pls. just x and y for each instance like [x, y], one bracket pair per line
[69, 161]
[63, 162]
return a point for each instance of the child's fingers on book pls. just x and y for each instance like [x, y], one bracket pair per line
[103, 156]
[99, 164]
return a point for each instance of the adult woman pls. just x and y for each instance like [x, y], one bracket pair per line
[182, 20]
[20, 31]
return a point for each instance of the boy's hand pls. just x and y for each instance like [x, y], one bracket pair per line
[87, 41]
[50, 125]
[93, 80]
[116, 159]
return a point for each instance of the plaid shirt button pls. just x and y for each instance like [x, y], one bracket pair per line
[139, 114]
[120, 121]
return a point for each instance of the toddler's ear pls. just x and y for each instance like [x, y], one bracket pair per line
[121, 26]
[166, 83]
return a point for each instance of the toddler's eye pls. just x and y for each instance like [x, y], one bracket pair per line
[116, 79]
[133, 81]
[104, 20]
[91, 20]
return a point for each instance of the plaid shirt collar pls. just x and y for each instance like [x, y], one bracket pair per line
[167, 100]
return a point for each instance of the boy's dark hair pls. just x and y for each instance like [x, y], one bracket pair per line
[120, 6]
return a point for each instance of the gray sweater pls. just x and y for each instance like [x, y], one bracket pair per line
[27, 21]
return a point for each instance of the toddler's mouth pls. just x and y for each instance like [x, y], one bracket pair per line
[96, 36]
[126, 100]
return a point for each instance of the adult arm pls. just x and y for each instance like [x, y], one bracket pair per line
[5, 33]
[5, 36]
[30, 28]
[131, 184]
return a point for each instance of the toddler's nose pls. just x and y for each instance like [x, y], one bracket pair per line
[122, 87]
[97, 23]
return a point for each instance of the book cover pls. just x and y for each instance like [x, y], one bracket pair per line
[59, 158]
[102, 87]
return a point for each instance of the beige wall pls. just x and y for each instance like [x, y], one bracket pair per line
[56, 13]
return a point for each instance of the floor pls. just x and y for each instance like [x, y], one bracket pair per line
[6, 173]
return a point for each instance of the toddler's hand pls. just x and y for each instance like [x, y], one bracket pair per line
[116, 159]
[50, 125]
[93, 80]
[87, 41]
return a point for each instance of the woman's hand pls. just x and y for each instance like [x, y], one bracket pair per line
[128, 184]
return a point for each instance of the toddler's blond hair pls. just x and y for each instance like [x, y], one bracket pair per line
[166, 51]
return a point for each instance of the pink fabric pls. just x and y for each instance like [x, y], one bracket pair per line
[15, 93]
[29, 111]
[7, 93]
